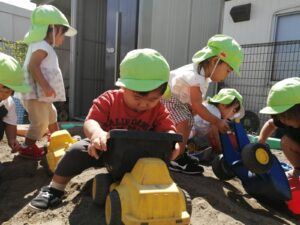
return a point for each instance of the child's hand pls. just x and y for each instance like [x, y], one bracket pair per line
[175, 152]
[98, 144]
[49, 91]
[14, 145]
[222, 126]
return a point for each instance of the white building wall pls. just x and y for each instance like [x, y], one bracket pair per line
[14, 21]
[261, 26]
[178, 28]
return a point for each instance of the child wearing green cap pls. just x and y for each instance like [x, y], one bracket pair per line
[188, 85]
[144, 74]
[283, 104]
[42, 73]
[11, 79]
[227, 104]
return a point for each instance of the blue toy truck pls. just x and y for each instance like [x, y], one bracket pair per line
[260, 172]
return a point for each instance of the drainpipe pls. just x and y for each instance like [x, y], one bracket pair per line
[72, 79]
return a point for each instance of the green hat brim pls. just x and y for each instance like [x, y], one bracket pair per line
[36, 33]
[275, 109]
[225, 100]
[71, 32]
[203, 54]
[207, 53]
[21, 88]
[139, 85]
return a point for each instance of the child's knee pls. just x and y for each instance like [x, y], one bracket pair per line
[289, 145]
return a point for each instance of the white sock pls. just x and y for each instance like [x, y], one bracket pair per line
[58, 186]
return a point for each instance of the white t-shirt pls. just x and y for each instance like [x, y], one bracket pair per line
[185, 77]
[202, 127]
[11, 116]
[51, 72]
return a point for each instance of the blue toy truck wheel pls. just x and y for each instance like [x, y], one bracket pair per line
[221, 169]
[257, 157]
[100, 190]
[113, 212]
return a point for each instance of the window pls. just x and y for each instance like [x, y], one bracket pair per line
[286, 52]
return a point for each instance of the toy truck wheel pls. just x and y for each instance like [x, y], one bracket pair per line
[188, 201]
[221, 168]
[113, 213]
[257, 158]
[100, 189]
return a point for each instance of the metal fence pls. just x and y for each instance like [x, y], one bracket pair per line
[264, 64]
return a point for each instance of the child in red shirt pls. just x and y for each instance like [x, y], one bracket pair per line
[144, 74]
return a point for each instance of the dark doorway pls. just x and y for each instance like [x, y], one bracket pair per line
[107, 30]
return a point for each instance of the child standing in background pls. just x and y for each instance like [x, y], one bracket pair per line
[188, 85]
[42, 72]
[11, 79]
[283, 104]
[227, 105]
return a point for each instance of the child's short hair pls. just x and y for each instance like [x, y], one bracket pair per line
[205, 63]
[43, 16]
[291, 113]
[50, 28]
[224, 47]
[11, 74]
[282, 96]
[143, 70]
[162, 88]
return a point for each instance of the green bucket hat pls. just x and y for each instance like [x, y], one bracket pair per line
[143, 70]
[282, 96]
[43, 16]
[11, 74]
[226, 96]
[223, 46]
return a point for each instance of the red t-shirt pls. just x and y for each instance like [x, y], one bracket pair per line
[111, 112]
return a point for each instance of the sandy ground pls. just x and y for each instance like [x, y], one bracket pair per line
[213, 201]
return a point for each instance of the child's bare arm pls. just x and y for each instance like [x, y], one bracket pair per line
[214, 139]
[98, 137]
[201, 110]
[11, 135]
[34, 68]
[266, 131]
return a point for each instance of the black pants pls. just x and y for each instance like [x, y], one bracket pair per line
[76, 160]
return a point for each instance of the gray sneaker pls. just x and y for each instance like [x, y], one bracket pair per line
[47, 198]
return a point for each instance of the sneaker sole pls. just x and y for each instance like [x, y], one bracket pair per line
[185, 172]
[35, 208]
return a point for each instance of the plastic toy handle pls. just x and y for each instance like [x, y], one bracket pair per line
[252, 138]
[274, 143]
